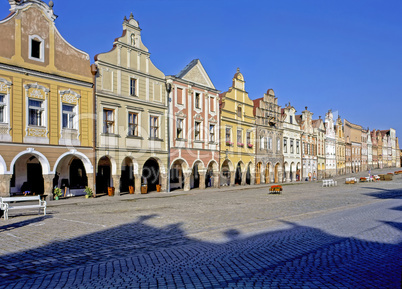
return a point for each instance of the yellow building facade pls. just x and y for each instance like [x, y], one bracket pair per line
[237, 135]
[46, 104]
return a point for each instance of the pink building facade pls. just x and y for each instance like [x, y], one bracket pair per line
[194, 129]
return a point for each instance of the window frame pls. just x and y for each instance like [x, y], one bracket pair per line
[41, 48]
[179, 135]
[197, 130]
[135, 131]
[211, 133]
[106, 122]
[154, 127]
[69, 114]
[133, 92]
[39, 109]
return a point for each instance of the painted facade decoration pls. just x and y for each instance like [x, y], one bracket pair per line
[309, 145]
[237, 134]
[46, 118]
[291, 144]
[131, 105]
[330, 145]
[194, 129]
[269, 134]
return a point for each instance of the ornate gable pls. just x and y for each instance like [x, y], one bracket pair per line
[196, 73]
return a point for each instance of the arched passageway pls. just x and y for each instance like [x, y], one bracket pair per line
[127, 178]
[238, 175]
[258, 173]
[176, 175]
[104, 175]
[27, 175]
[225, 178]
[248, 174]
[151, 174]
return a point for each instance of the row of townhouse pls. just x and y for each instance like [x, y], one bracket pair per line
[123, 123]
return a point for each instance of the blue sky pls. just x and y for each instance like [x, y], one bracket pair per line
[342, 55]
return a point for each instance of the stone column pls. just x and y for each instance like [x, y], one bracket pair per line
[232, 178]
[164, 181]
[252, 178]
[137, 184]
[90, 178]
[243, 178]
[202, 178]
[288, 180]
[48, 186]
[5, 185]
[116, 185]
[216, 181]
[187, 176]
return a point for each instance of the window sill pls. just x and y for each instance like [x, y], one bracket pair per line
[134, 137]
[110, 134]
[198, 141]
[181, 139]
[155, 139]
[212, 143]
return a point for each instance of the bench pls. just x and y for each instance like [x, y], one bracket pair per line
[10, 203]
[328, 183]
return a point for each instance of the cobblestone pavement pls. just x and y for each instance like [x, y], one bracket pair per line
[347, 236]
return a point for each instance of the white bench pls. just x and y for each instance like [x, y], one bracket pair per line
[10, 203]
[328, 183]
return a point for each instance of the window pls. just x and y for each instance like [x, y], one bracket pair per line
[2, 107]
[179, 128]
[227, 135]
[212, 104]
[35, 112]
[239, 137]
[197, 100]
[153, 127]
[270, 143]
[197, 131]
[285, 145]
[68, 116]
[248, 137]
[278, 145]
[261, 143]
[35, 48]
[133, 39]
[132, 124]
[108, 120]
[212, 133]
[179, 98]
[291, 119]
[291, 146]
[133, 82]
[239, 111]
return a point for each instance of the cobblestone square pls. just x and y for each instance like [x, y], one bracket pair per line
[347, 236]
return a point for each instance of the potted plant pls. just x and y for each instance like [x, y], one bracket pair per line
[240, 144]
[88, 192]
[250, 145]
[158, 188]
[57, 193]
[229, 143]
[131, 189]
[110, 191]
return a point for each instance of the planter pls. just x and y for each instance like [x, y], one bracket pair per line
[131, 189]
[158, 188]
[56, 198]
[144, 189]
[110, 191]
[276, 189]
[86, 197]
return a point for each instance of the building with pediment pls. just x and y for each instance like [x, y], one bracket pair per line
[237, 134]
[291, 144]
[340, 147]
[309, 145]
[46, 105]
[131, 104]
[269, 134]
[194, 129]
[319, 132]
[374, 145]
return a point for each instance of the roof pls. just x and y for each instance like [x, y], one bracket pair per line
[256, 103]
[298, 118]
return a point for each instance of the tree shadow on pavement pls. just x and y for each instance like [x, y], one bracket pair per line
[384, 193]
[137, 255]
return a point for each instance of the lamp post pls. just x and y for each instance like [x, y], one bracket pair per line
[168, 90]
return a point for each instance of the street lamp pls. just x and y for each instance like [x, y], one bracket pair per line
[168, 90]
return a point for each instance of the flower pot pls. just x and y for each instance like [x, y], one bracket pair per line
[131, 189]
[158, 188]
[110, 191]
[86, 197]
[56, 198]
[144, 189]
